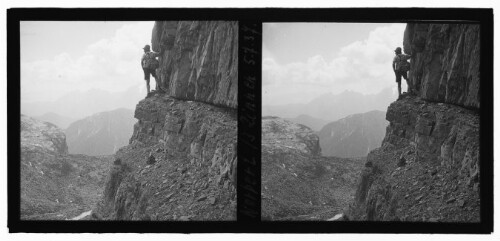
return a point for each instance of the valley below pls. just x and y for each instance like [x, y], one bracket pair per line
[54, 184]
[297, 182]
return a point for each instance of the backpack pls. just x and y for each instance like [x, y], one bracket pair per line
[403, 65]
[150, 62]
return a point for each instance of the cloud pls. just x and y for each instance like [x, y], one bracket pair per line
[362, 66]
[110, 64]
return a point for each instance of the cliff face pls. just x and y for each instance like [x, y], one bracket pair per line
[193, 173]
[445, 62]
[199, 60]
[181, 160]
[428, 166]
[297, 183]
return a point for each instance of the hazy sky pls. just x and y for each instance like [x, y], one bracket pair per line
[302, 61]
[65, 56]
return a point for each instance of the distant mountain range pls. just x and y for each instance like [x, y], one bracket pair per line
[309, 121]
[102, 133]
[78, 105]
[333, 107]
[354, 135]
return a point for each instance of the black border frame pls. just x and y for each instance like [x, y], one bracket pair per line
[249, 115]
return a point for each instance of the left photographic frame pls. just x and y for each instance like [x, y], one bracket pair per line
[123, 120]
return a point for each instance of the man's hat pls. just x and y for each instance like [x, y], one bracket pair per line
[398, 50]
[147, 47]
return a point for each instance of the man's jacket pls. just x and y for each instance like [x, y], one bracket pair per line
[148, 60]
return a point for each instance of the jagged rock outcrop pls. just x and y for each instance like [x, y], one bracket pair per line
[428, 166]
[42, 135]
[438, 132]
[199, 60]
[193, 176]
[280, 134]
[102, 133]
[445, 62]
[354, 135]
[55, 185]
[297, 183]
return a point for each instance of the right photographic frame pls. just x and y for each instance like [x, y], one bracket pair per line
[376, 121]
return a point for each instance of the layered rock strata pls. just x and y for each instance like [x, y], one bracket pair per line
[445, 63]
[199, 60]
[192, 172]
[427, 168]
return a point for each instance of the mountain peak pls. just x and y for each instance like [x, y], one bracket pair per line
[102, 133]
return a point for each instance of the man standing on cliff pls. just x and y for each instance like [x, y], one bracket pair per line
[149, 64]
[400, 66]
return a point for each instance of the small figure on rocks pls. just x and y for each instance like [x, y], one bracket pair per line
[151, 159]
[400, 65]
[117, 161]
[149, 65]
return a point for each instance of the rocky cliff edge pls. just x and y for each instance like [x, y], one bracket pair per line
[181, 161]
[180, 164]
[428, 166]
